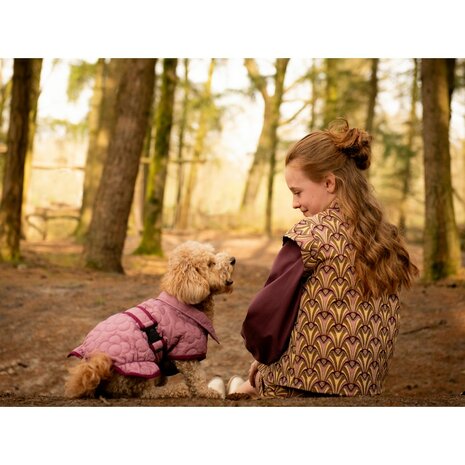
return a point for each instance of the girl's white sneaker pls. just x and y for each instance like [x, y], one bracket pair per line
[233, 384]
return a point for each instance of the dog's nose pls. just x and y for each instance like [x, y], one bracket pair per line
[233, 260]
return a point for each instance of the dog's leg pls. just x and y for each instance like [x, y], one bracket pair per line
[195, 379]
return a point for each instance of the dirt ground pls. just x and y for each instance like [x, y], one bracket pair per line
[48, 304]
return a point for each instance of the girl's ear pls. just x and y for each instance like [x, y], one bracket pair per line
[330, 183]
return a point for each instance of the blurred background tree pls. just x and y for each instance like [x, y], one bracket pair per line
[204, 148]
[108, 226]
[153, 212]
[24, 94]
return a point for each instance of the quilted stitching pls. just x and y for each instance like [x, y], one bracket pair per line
[184, 329]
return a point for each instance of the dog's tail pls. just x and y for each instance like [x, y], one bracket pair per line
[87, 374]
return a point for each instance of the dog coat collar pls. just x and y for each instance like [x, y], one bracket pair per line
[191, 312]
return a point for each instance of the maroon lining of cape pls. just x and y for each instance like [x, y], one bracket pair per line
[271, 315]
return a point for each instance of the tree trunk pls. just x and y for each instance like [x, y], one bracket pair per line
[108, 227]
[281, 65]
[18, 140]
[258, 167]
[181, 135]
[101, 121]
[5, 93]
[331, 106]
[138, 203]
[35, 92]
[198, 149]
[314, 98]
[372, 94]
[407, 171]
[262, 155]
[153, 218]
[441, 241]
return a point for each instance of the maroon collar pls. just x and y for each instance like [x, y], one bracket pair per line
[191, 312]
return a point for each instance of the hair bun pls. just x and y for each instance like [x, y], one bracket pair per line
[354, 143]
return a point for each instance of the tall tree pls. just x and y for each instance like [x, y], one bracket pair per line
[372, 95]
[18, 140]
[181, 138]
[153, 216]
[138, 203]
[409, 153]
[332, 93]
[199, 145]
[5, 93]
[101, 120]
[267, 141]
[281, 66]
[441, 240]
[108, 227]
[315, 94]
[5, 90]
[35, 93]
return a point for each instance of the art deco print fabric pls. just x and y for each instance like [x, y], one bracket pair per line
[341, 342]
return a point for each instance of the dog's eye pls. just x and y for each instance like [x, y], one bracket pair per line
[211, 264]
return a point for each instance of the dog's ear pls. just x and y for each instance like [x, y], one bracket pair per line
[194, 287]
[186, 284]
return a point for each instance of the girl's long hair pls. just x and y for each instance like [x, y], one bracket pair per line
[381, 258]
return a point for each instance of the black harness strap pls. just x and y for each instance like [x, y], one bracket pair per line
[156, 343]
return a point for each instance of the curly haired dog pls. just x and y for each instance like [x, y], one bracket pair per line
[130, 354]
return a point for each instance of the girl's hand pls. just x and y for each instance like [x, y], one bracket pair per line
[252, 372]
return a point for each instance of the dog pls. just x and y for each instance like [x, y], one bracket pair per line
[132, 353]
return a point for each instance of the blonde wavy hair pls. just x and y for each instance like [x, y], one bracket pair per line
[381, 258]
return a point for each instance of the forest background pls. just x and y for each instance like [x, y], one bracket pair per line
[356, 28]
[213, 135]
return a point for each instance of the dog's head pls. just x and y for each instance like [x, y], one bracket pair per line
[195, 272]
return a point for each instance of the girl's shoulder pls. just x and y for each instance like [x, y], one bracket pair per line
[317, 227]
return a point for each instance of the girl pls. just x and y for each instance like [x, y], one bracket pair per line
[326, 321]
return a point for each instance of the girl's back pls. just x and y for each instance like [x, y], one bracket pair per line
[342, 339]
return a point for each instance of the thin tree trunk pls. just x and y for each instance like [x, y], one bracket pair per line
[407, 172]
[441, 241]
[314, 99]
[372, 95]
[198, 149]
[35, 90]
[151, 242]
[138, 204]
[18, 140]
[281, 65]
[102, 114]
[108, 227]
[182, 131]
[5, 90]
[331, 91]
[258, 167]
[5, 93]
[263, 152]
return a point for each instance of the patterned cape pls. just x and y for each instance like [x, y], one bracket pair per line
[341, 341]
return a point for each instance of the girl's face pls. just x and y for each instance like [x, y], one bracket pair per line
[308, 196]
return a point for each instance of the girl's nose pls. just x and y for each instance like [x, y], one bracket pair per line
[295, 203]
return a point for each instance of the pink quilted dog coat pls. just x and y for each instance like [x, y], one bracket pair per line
[183, 328]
